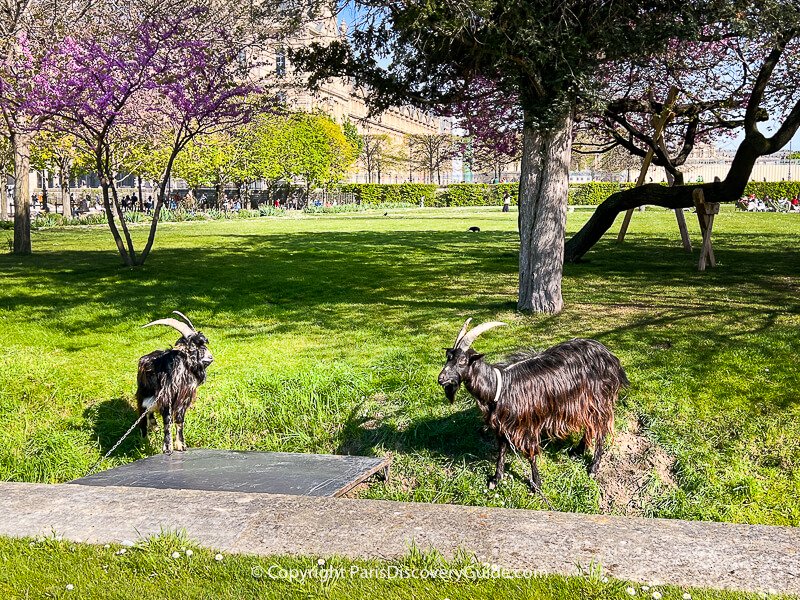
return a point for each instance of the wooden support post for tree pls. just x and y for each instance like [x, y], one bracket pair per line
[705, 215]
[659, 123]
[687, 242]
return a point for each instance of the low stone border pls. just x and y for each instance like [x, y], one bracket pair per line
[656, 551]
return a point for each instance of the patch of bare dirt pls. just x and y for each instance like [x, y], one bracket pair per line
[633, 472]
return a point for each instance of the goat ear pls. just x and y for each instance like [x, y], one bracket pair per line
[474, 357]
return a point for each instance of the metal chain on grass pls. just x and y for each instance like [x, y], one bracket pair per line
[115, 446]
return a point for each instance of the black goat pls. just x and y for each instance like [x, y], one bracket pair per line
[168, 380]
[568, 389]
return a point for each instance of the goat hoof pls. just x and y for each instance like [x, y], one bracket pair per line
[166, 450]
[180, 447]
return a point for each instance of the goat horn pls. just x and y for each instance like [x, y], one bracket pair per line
[468, 338]
[463, 331]
[184, 317]
[185, 330]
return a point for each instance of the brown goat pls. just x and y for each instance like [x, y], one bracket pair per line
[568, 389]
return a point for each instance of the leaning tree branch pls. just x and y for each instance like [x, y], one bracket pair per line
[751, 114]
[676, 197]
[786, 131]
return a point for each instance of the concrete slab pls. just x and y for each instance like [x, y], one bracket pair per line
[230, 471]
[658, 551]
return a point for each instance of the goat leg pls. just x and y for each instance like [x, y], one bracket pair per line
[579, 450]
[535, 482]
[180, 443]
[502, 442]
[143, 424]
[166, 416]
[599, 449]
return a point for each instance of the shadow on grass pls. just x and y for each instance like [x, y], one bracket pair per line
[254, 285]
[110, 420]
[459, 436]
[295, 275]
[302, 275]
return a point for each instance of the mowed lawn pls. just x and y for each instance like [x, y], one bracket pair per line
[170, 566]
[328, 334]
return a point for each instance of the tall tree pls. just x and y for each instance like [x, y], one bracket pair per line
[27, 28]
[544, 52]
[166, 65]
[431, 152]
[61, 154]
[377, 155]
[316, 150]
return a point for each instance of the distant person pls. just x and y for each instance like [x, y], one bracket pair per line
[506, 202]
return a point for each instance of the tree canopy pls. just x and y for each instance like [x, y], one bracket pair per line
[544, 53]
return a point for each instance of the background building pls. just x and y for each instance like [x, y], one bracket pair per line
[340, 99]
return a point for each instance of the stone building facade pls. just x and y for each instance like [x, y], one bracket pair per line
[340, 99]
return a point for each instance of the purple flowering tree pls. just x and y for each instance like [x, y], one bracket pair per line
[26, 25]
[493, 122]
[177, 72]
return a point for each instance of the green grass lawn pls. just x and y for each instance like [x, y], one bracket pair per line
[328, 334]
[162, 568]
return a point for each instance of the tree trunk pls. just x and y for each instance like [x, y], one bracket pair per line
[112, 224]
[543, 187]
[141, 200]
[45, 205]
[66, 201]
[20, 143]
[252, 198]
[162, 188]
[220, 194]
[3, 197]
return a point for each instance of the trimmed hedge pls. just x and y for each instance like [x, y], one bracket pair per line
[392, 193]
[477, 194]
[595, 192]
[485, 194]
[774, 189]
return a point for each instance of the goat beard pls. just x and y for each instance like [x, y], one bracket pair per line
[450, 390]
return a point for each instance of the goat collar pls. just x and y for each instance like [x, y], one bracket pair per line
[499, 384]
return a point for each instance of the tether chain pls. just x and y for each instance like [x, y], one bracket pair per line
[115, 446]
